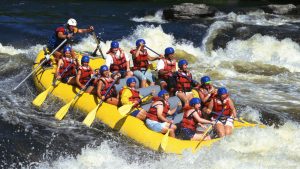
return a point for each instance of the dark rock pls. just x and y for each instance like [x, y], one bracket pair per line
[188, 11]
[287, 9]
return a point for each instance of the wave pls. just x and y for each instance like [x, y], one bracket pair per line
[157, 18]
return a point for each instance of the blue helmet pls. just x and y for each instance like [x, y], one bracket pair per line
[130, 80]
[67, 49]
[103, 68]
[85, 59]
[114, 44]
[222, 90]
[205, 79]
[139, 41]
[194, 101]
[162, 92]
[182, 62]
[169, 51]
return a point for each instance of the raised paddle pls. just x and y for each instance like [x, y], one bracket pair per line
[39, 100]
[47, 58]
[98, 46]
[152, 50]
[63, 111]
[125, 109]
[209, 128]
[92, 114]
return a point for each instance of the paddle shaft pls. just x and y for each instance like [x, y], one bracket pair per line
[40, 64]
[152, 50]
[98, 45]
[85, 86]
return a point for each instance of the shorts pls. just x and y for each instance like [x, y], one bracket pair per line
[135, 113]
[188, 133]
[66, 79]
[226, 122]
[186, 93]
[155, 126]
[143, 75]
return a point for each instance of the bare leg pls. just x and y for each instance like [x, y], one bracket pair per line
[183, 98]
[89, 89]
[144, 83]
[220, 130]
[113, 101]
[228, 130]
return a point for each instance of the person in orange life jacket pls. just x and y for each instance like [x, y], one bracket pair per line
[61, 33]
[166, 67]
[157, 114]
[140, 63]
[222, 103]
[184, 82]
[104, 84]
[206, 91]
[118, 61]
[191, 118]
[84, 74]
[66, 68]
[130, 95]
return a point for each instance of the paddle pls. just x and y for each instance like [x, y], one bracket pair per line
[98, 46]
[152, 50]
[92, 114]
[125, 109]
[47, 58]
[209, 128]
[63, 111]
[39, 100]
[165, 139]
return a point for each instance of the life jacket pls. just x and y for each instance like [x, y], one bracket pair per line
[141, 61]
[68, 63]
[119, 62]
[188, 121]
[169, 65]
[218, 106]
[96, 79]
[135, 94]
[54, 40]
[205, 92]
[107, 83]
[152, 112]
[86, 73]
[184, 82]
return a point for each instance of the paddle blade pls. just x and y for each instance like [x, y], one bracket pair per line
[39, 100]
[164, 141]
[90, 117]
[125, 109]
[63, 111]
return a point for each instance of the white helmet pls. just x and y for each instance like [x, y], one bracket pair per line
[72, 22]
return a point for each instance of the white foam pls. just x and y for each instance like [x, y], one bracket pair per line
[30, 52]
[157, 18]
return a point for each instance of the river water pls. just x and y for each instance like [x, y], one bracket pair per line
[254, 54]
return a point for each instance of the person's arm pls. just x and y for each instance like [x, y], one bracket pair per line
[99, 88]
[57, 74]
[152, 58]
[160, 109]
[232, 108]
[127, 62]
[77, 80]
[61, 35]
[90, 29]
[201, 120]
[204, 98]
[210, 107]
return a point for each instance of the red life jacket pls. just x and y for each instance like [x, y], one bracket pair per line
[68, 63]
[184, 82]
[107, 83]
[188, 121]
[169, 65]
[152, 112]
[119, 62]
[135, 94]
[86, 73]
[141, 61]
[203, 90]
[218, 107]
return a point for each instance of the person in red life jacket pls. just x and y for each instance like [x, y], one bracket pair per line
[140, 59]
[222, 104]
[206, 91]
[63, 32]
[191, 118]
[118, 61]
[84, 74]
[184, 82]
[66, 68]
[130, 95]
[166, 67]
[104, 83]
[157, 114]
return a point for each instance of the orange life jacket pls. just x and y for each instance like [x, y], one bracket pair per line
[184, 82]
[119, 62]
[68, 63]
[141, 61]
[107, 83]
[188, 121]
[86, 73]
[152, 113]
[219, 106]
[169, 65]
[203, 90]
